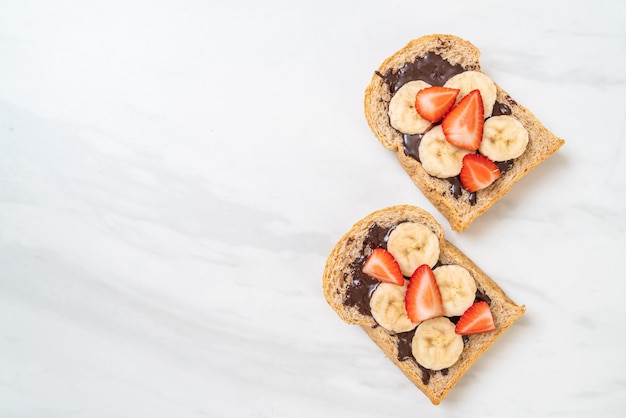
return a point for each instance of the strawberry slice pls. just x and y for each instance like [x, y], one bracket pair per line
[475, 320]
[423, 298]
[463, 125]
[382, 266]
[432, 103]
[478, 172]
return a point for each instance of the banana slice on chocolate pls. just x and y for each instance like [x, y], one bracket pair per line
[413, 244]
[438, 156]
[435, 345]
[475, 80]
[387, 304]
[402, 113]
[457, 288]
[504, 138]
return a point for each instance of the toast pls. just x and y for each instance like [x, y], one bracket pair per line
[349, 291]
[435, 59]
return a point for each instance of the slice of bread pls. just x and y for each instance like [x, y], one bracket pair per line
[462, 210]
[344, 283]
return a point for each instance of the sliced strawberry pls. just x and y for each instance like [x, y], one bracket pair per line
[382, 266]
[423, 298]
[463, 125]
[432, 103]
[478, 172]
[476, 320]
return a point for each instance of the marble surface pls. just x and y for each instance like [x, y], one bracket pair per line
[173, 175]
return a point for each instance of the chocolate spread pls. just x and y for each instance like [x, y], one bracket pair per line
[359, 291]
[500, 109]
[430, 68]
[436, 71]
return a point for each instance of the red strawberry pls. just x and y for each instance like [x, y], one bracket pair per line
[423, 299]
[432, 103]
[476, 320]
[382, 266]
[478, 172]
[463, 125]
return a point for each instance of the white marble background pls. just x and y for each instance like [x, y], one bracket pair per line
[173, 175]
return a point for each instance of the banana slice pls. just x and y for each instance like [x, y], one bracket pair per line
[439, 157]
[472, 80]
[402, 113]
[388, 308]
[435, 345]
[413, 244]
[457, 288]
[504, 138]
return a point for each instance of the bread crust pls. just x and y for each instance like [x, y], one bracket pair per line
[338, 275]
[459, 211]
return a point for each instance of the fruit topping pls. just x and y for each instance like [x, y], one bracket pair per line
[476, 320]
[388, 308]
[413, 244]
[457, 288]
[402, 113]
[463, 125]
[504, 138]
[423, 299]
[382, 266]
[435, 345]
[440, 158]
[475, 80]
[433, 103]
[478, 172]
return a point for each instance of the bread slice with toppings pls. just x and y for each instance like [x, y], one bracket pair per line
[348, 291]
[438, 58]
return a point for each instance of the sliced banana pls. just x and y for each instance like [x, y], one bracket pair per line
[402, 113]
[457, 288]
[388, 307]
[472, 80]
[504, 138]
[439, 157]
[413, 244]
[435, 345]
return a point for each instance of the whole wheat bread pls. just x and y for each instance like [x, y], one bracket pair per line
[460, 212]
[339, 275]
